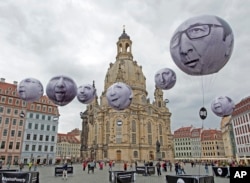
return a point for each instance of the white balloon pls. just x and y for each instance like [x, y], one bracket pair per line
[222, 106]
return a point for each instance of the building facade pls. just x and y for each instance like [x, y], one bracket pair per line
[228, 138]
[196, 143]
[28, 131]
[183, 143]
[212, 145]
[128, 134]
[241, 126]
[12, 125]
[40, 134]
[68, 148]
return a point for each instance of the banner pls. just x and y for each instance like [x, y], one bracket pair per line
[150, 170]
[140, 170]
[21, 177]
[59, 170]
[189, 179]
[125, 177]
[221, 171]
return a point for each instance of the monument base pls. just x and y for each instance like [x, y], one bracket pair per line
[158, 156]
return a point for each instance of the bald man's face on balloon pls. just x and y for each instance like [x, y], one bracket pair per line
[202, 45]
[86, 93]
[222, 106]
[30, 89]
[119, 96]
[165, 78]
[61, 90]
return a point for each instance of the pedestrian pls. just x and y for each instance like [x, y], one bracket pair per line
[125, 166]
[35, 166]
[8, 165]
[182, 167]
[206, 168]
[30, 164]
[20, 166]
[158, 168]
[170, 166]
[65, 171]
[110, 165]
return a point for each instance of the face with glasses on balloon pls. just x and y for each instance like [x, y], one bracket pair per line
[202, 45]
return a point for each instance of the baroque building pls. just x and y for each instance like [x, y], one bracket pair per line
[129, 134]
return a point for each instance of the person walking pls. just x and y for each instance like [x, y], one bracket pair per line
[182, 167]
[35, 166]
[30, 165]
[125, 166]
[158, 168]
[65, 171]
[20, 166]
[206, 168]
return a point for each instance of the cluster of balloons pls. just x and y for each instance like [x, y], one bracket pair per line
[199, 46]
[61, 90]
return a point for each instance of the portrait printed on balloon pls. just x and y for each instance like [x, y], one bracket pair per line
[30, 89]
[119, 96]
[86, 93]
[165, 78]
[61, 90]
[222, 106]
[202, 45]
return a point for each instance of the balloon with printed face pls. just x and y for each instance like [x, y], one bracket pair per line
[30, 89]
[61, 90]
[202, 45]
[222, 106]
[165, 78]
[119, 96]
[86, 93]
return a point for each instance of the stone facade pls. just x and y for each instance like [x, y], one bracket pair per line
[129, 134]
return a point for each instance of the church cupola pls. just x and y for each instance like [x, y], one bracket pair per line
[124, 46]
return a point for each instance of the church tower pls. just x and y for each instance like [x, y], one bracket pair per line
[130, 134]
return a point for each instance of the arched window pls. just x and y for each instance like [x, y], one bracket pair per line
[107, 127]
[149, 128]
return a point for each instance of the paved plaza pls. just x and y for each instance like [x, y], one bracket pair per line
[102, 176]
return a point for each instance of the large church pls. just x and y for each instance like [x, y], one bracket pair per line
[140, 132]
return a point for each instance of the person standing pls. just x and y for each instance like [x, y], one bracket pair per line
[30, 165]
[125, 166]
[65, 171]
[35, 166]
[158, 168]
[20, 166]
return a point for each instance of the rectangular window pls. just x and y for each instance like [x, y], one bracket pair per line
[12, 133]
[13, 121]
[133, 138]
[47, 138]
[27, 147]
[36, 126]
[30, 126]
[17, 102]
[37, 116]
[5, 132]
[42, 126]
[19, 134]
[31, 115]
[21, 122]
[10, 145]
[34, 136]
[3, 145]
[53, 128]
[33, 147]
[7, 121]
[43, 117]
[0, 119]
[41, 138]
[8, 111]
[28, 137]
[45, 148]
[150, 139]
[1, 109]
[48, 127]
[49, 118]
[17, 145]
[52, 138]
[51, 148]
[16, 112]
[40, 148]
[10, 101]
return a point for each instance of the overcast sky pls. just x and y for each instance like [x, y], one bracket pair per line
[77, 38]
